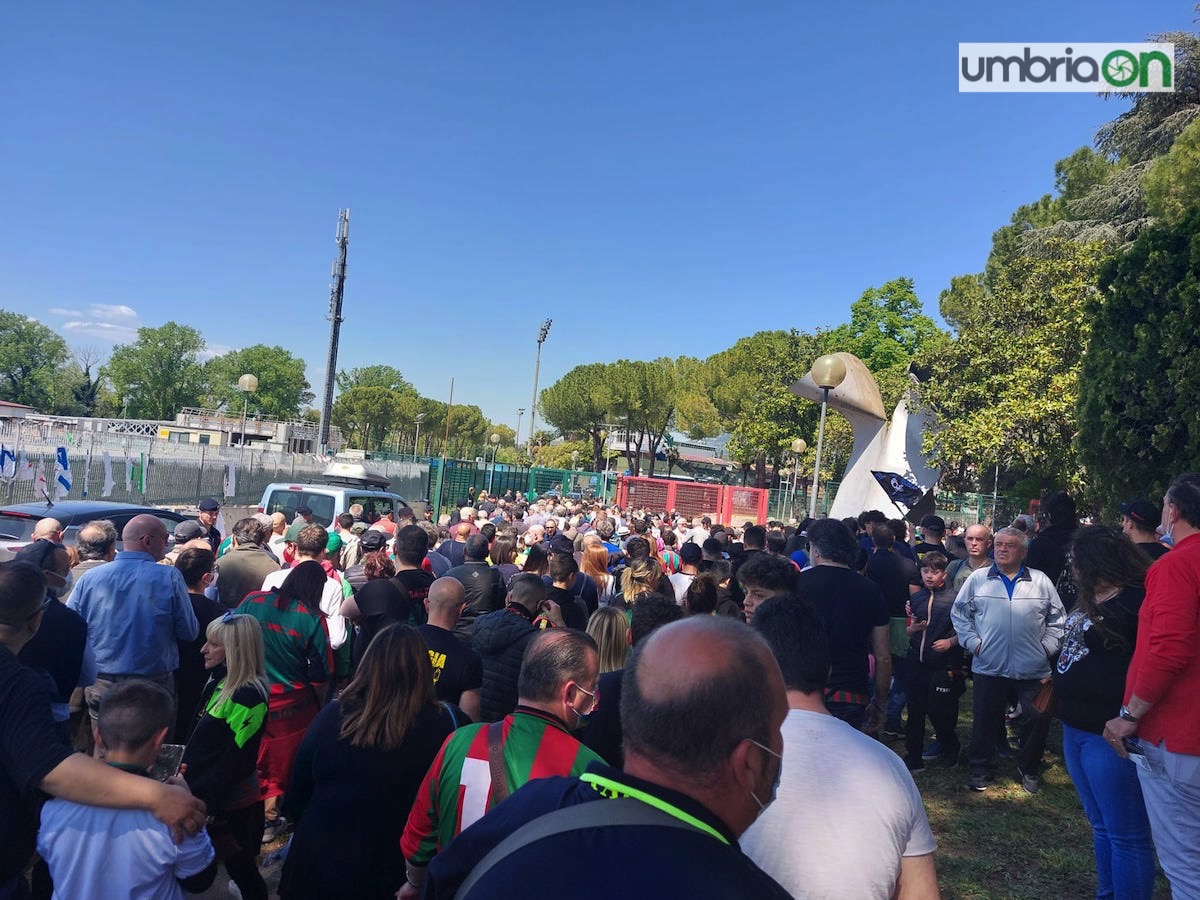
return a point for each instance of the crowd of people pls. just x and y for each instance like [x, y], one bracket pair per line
[454, 708]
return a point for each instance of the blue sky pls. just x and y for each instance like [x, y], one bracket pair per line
[659, 178]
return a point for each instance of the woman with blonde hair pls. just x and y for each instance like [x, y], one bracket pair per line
[643, 576]
[358, 770]
[594, 564]
[221, 760]
[609, 628]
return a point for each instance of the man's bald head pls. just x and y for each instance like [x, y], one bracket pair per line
[693, 690]
[446, 595]
[146, 533]
[48, 529]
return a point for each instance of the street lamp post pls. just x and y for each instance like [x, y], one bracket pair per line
[604, 450]
[495, 442]
[418, 419]
[517, 436]
[799, 445]
[247, 384]
[827, 373]
[543, 332]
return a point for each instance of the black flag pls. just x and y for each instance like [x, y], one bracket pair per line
[898, 488]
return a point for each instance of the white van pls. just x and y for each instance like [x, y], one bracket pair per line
[343, 485]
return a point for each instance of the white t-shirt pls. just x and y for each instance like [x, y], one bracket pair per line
[331, 601]
[97, 852]
[846, 812]
[681, 582]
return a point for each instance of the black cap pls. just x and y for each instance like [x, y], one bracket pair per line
[303, 511]
[373, 540]
[690, 553]
[208, 504]
[934, 523]
[188, 530]
[1142, 513]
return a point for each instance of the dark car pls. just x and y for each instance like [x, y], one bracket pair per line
[18, 521]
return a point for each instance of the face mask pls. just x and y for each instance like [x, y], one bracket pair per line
[762, 807]
[581, 719]
[69, 580]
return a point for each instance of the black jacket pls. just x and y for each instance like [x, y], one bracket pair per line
[935, 610]
[483, 591]
[57, 649]
[500, 639]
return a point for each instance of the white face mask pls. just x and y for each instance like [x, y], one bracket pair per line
[762, 807]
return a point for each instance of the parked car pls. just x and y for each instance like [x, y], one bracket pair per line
[18, 521]
[344, 484]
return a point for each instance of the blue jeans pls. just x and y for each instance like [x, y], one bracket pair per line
[1112, 800]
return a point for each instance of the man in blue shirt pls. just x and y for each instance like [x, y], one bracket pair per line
[136, 611]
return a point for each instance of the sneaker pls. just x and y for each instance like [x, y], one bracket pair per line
[915, 766]
[978, 782]
[1004, 749]
[947, 761]
[893, 730]
[274, 828]
[933, 751]
[1031, 783]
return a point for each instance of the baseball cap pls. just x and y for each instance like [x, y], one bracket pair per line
[934, 523]
[373, 540]
[1143, 513]
[41, 554]
[303, 511]
[293, 532]
[188, 530]
[208, 504]
[334, 543]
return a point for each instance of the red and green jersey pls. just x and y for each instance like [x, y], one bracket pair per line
[292, 638]
[457, 789]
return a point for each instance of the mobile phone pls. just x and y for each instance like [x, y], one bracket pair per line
[166, 764]
[1132, 746]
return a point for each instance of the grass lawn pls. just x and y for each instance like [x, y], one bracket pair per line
[1007, 843]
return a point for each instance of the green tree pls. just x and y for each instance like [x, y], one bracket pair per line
[749, 387]
[159, 373]
[1173, 182]
[1004, 391]
[31, 359]
[366, 415]
[562, 455]
[282, 388]
[373, 376]
[1141, 373]
[887, 328]
[580, 403]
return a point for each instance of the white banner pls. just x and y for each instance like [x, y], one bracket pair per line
[109, 484]
[1066, 67]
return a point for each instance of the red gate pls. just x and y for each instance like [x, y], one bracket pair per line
[722, 503]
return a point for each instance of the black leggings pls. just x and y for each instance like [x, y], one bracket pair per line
[237, 835]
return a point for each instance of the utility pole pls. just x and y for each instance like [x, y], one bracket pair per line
[541, 339]
[337, 289]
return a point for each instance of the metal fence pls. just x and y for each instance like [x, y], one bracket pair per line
[151, 471]
[965, 508]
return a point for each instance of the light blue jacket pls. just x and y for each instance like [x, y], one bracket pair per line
[1009, 638]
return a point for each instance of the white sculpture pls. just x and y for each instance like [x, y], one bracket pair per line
[879, 445]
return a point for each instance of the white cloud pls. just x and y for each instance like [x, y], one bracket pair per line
[102, 322]
[112, 312]
[103, 331]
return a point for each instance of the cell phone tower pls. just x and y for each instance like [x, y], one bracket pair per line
[337, 288]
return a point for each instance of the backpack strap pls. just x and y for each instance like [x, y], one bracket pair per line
[620, 812]
[496, 761]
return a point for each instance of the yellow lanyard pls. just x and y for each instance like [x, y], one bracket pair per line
[612, 789]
